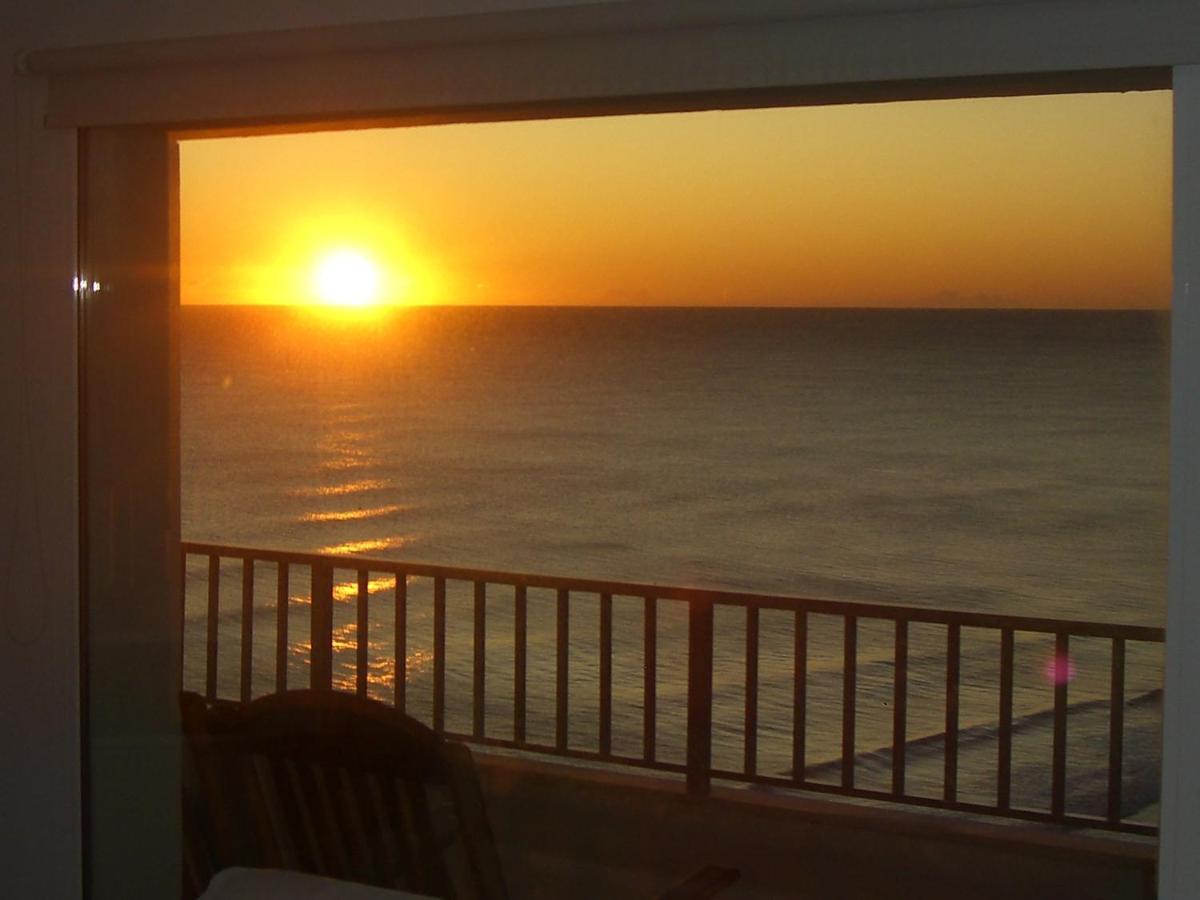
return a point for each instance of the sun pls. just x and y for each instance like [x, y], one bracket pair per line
[346, 278]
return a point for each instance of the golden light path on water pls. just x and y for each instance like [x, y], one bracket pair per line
[381, 670]
[347, 441]
[347, 591]
[366, 546]
[343, 463]
[350, 515]
[341, 490]
[344, 591]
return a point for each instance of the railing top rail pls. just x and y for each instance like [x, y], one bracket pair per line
[861, 609]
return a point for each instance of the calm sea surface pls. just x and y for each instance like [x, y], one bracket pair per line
[1013, 462]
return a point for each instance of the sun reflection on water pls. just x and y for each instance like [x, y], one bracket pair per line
[381, 666]
[347, 462]
[341, 490]
[349, 515]
[348, 441]
[367, 545]
[348, 590]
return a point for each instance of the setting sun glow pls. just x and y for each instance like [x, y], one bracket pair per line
[1041, 201]
[346, 278]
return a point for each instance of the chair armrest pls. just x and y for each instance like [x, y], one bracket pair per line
[707, 882]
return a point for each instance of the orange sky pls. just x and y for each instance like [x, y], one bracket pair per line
[1036, 201]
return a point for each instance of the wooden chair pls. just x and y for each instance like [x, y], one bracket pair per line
[337, 785]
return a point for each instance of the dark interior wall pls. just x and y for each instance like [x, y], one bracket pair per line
[130, 485]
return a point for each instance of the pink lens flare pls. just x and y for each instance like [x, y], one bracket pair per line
[1059, 669]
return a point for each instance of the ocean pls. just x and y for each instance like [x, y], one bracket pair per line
[1001, 461]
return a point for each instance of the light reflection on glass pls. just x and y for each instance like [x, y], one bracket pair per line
[1059, 669]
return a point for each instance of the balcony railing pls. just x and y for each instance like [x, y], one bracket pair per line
[891, 641]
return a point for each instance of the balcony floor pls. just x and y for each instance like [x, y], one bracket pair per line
[564, 831]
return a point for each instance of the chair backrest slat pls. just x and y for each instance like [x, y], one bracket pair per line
[368, 827]
[273, 829]
[303, 829]
[329, 824]
[392, 860]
